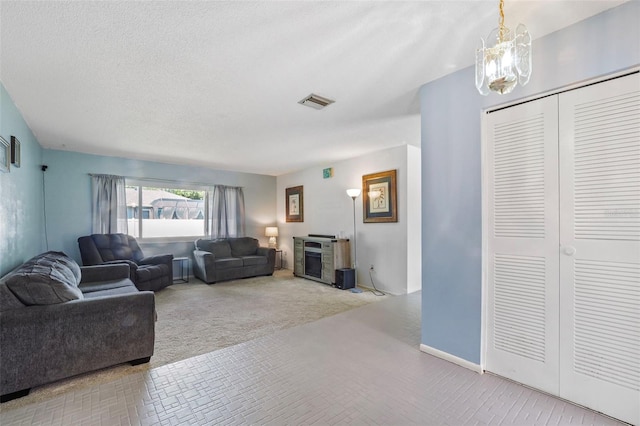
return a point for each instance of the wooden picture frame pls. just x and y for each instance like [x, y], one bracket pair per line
[294, 201]
[5, 155]
[380, 198]
[15, 151]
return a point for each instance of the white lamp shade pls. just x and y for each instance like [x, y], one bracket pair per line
[354, 192]
[271, 231]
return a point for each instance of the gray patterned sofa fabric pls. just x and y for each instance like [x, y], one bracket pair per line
[231, 258]
[110, 322]
[147, 272]
[46, 279]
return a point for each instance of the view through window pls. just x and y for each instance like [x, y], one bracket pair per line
[165, 212]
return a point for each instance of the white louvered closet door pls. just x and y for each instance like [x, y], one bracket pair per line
[600, 247]
[523, 237]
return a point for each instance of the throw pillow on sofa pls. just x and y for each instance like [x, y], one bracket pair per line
[46, 279]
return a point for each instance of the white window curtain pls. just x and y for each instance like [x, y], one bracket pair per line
[108, 204]
[226, 215]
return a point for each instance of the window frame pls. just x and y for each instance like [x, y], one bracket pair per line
[170, 184]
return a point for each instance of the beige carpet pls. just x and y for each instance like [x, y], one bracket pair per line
[196, 318]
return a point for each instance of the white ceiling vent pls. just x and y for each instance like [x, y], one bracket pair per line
[315, 101]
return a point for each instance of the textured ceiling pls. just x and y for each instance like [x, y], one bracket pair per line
[216, 83]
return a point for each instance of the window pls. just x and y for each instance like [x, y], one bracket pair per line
[154, 212]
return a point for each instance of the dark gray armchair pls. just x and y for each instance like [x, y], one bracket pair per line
[150, 273]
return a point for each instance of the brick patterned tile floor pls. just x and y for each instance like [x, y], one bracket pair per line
[360, 367]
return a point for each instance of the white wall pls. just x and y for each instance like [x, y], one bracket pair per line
[329, 210]
[414, 220]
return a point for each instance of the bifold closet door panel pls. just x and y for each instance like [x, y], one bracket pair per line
[522, 242]
[600, 247]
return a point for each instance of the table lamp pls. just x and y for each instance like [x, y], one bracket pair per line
[272, 233]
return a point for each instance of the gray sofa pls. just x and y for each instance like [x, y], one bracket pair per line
[231, 258]
[58, 320]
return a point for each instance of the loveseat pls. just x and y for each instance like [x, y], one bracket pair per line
[231, 258]
[58, 320]
[147, 272]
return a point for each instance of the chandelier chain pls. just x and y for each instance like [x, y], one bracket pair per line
[501, 27]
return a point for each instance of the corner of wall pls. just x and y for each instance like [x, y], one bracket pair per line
[451, 167]
[328, 210]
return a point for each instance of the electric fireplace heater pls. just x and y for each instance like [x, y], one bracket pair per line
[313, 259]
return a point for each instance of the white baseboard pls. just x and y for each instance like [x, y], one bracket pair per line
[452, 358]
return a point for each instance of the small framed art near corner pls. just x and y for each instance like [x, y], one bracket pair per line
[294, 199]
[5, 155]
[380, 197]
[15, 151]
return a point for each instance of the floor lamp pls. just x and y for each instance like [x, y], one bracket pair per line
[354, 193]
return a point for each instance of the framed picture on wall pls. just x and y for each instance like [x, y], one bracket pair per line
[380, 197]
[15, 151]
[5, 155]
[294, 200]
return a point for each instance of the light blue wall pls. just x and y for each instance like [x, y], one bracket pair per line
[68, 195]
[21, 216]
[451, 167]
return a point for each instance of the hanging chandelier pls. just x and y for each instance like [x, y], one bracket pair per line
[504, 60]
